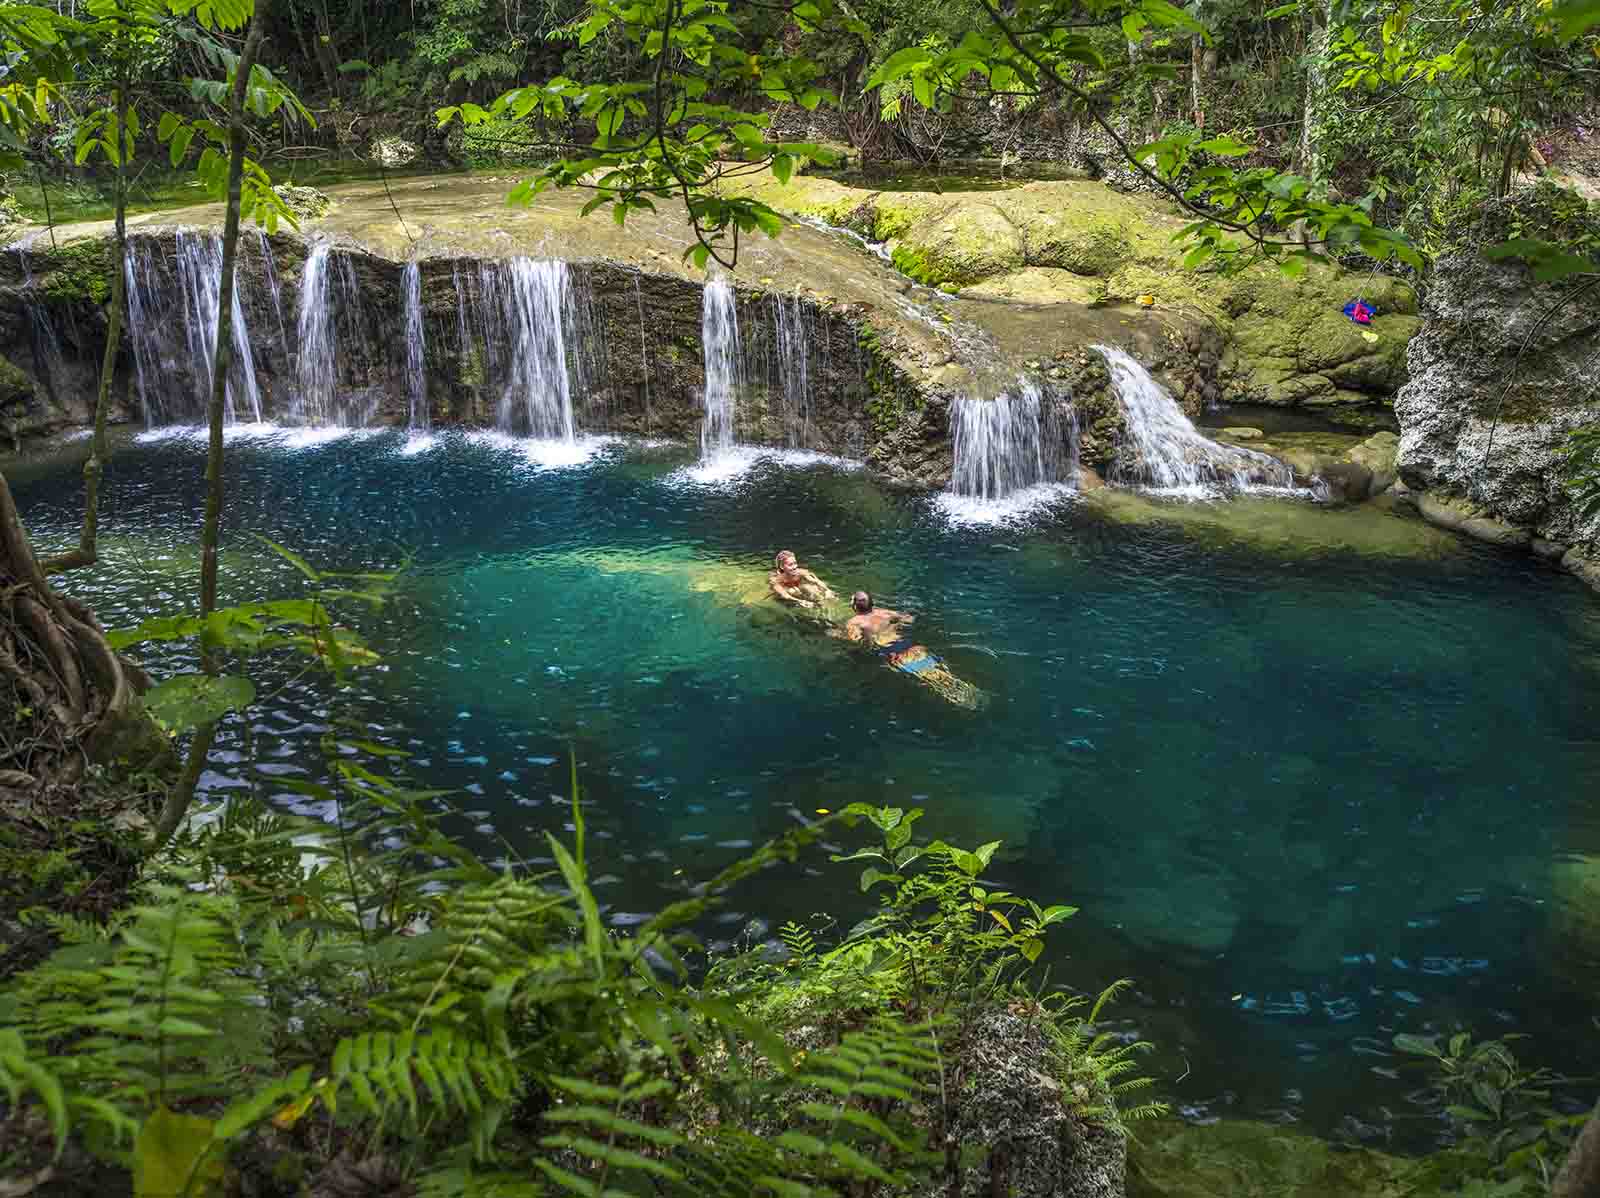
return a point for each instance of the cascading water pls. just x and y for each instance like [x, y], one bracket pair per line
[46, 341]
[1011, 443]
[416, 346]
[535, 298]
[330, 302]
[172, 318]
[719, 337]
[200, 276]
[1163, 450]
[793, 367]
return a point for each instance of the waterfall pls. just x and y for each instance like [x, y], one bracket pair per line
[45, 340]
[172, 322]
[330, 305]
[793, 366]
[416, 371]
[535, 298]
[269, 272]
[1163, 450]
[719, 335]
[1010, 443]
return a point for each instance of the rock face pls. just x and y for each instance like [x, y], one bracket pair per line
[1504, 368]
[1015, 1117]
[1287, 340]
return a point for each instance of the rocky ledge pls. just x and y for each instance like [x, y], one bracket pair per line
[1502, 371]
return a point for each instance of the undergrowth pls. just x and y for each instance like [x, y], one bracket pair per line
[376, 1003]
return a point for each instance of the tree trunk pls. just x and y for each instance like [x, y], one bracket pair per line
[57, 672]
[177, 804]
[1580, 1176]
[88, 553]
[1310, 164]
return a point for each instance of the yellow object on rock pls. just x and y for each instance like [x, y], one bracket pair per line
[1373, 337]
[1147, 301]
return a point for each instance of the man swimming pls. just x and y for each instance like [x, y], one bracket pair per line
[792, 583]
[883, 628]
[874, 623]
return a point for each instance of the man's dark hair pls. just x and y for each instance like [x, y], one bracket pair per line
[861, 601]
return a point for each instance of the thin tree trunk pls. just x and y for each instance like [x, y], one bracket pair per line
[178, 800]
[1580, 1176]
[88, 553]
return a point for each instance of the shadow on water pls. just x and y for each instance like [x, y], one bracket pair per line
[1312, 781]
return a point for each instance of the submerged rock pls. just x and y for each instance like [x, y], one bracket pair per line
[1241, 1159]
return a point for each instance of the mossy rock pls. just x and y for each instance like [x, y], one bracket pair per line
[1241, 1159]
[78, 271]
[15, 385]
[961, 245]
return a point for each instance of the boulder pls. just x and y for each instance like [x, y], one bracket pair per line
[1018, 1117]
[307, 203]
[393, 151]
[1377, 453]
[1504, 368]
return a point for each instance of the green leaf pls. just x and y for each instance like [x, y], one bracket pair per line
[170, 1149]
[187, 701]
[985, 852]
[898, 65]
[1577, 17]
[1427, 1046]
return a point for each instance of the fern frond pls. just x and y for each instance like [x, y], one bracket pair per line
[457, 1075]
[170, 1015]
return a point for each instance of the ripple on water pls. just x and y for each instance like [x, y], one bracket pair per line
[1299, 776]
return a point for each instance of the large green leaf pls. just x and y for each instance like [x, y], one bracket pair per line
[186, 701]
[169, 1149]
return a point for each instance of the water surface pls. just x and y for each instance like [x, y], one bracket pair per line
[1307, 784]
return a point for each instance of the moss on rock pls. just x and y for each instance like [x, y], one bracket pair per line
[77, 271]
[1242, 1159]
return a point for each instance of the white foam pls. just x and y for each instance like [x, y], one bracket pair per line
[418, 443]
[1016, 508]
[733, 464]
[540, 453]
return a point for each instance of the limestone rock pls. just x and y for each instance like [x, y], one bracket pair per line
[1017, 1116]
[1242, 1159]
[1466, 517]
[307, 203]
[1502, 371]
[1377, 453]
[393, 151]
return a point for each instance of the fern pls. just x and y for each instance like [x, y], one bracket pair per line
[457, 1076]
[159, 1014]
[22, 1075]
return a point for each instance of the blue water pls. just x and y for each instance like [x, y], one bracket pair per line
[1306, 795]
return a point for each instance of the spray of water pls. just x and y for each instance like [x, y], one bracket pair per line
[1162, 450]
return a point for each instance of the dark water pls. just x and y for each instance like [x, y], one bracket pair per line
[1307, 799]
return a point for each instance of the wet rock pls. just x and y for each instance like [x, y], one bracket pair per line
[1377, 454]
[1548, 551]
[1464, 516]
[1242, 433]
[1170, 1159]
